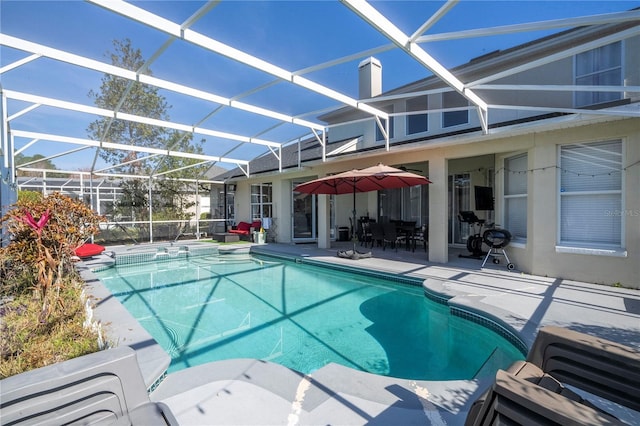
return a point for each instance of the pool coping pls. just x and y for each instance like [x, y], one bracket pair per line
[121, 328]
[335, 381]
[469, 291]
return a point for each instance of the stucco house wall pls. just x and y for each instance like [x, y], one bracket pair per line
[538, 255]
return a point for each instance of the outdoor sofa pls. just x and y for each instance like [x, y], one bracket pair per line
[535, 391]
[246, 229]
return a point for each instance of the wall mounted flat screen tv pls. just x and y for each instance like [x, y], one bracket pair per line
[484, 197]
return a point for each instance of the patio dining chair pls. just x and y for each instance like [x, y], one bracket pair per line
[377, 234]
[364, 232]
[407, 230]
[422, 236]
[390, 235]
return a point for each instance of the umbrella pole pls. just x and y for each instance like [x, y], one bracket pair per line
[355, 224]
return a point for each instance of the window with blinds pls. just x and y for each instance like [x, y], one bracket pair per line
[515, 196]
[591, 194]
[417, 123]
[599, 67]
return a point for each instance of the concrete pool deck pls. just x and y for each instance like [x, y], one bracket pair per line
[258, 392]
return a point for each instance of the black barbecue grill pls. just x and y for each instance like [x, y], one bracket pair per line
[497, 239]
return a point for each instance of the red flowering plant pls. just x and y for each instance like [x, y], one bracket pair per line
[46, 245]
[45, 263]
[39, 225]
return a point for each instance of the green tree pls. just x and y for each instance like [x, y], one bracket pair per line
[43, 164]
[140, 99]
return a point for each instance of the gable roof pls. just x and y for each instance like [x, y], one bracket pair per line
[487, 66]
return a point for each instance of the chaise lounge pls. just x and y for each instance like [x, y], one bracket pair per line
[105, 387]
[535, 391]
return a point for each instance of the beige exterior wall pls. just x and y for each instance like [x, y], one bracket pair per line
[538, 255]
[543, 257]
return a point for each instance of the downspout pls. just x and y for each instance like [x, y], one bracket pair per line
[150, 212]
[226, 208]
[197, 210]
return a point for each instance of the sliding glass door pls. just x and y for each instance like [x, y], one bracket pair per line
[459, 200]
[305, 215]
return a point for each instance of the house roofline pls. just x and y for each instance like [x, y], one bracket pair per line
[501, 59]
[540, 123]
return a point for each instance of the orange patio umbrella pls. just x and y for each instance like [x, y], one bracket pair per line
[365, 180]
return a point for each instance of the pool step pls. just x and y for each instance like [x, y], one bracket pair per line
[171, 252]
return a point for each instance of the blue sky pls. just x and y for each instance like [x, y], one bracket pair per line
[292, 34]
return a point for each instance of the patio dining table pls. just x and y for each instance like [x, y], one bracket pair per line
[408, 230]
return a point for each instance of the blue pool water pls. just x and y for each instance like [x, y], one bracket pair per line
[219, 307]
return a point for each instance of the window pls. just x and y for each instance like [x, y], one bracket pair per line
[261, 201]
[590, 194]
[515, 196]
[454, 118]
[417, 123]
[410, 204]
[598, 67]
[379, 136]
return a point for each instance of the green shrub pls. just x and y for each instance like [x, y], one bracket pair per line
[44, 231]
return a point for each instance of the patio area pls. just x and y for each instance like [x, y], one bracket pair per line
[216, 393]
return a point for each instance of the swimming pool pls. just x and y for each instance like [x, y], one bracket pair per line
[211, 308]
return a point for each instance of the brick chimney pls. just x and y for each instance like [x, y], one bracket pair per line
[370, 78]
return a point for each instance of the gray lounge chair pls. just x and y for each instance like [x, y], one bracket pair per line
[534, 391]
[101, 388]
[515, 401]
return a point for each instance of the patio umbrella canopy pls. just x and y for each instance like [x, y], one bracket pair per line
[365, 180]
